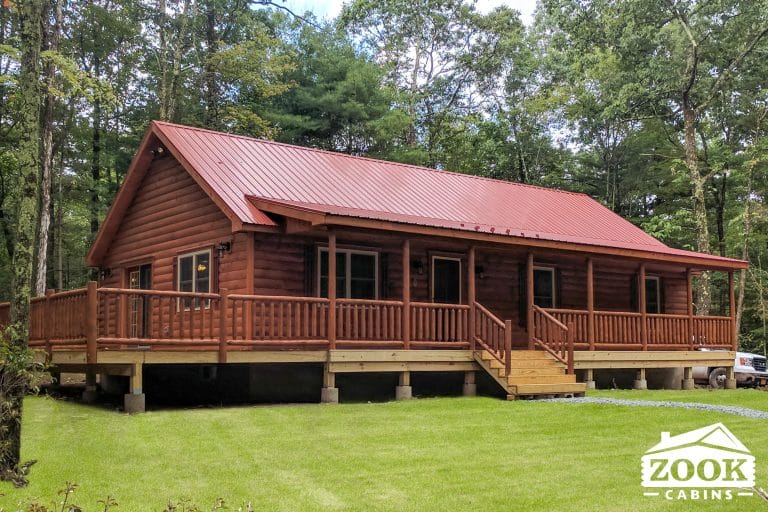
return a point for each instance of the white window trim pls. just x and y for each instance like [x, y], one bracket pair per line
[658, 295]
[194, 281]
[432, 275]
[348, 269]
[551, 270]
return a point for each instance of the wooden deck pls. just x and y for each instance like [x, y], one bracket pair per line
[100, 320]
[94, 329]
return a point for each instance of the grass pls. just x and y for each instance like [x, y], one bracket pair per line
[751, 398]
[433, 454]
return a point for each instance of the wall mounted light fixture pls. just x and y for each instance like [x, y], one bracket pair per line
[223, 247]
[418, 266]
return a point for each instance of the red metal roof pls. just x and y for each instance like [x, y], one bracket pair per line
[236, 168]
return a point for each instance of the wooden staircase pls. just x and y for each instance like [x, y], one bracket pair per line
[534, 373]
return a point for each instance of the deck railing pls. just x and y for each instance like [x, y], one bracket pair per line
[131, 317]
[369, 320]
[266, 320]
[626, 330]
[114, 318]
[436, 325]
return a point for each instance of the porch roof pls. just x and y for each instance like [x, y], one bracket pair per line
[324, 214]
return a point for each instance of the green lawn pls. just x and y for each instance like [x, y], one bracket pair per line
[449, 454]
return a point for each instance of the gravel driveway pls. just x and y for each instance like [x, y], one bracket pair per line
[726, 409]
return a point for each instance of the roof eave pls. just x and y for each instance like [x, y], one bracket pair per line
[318, 218]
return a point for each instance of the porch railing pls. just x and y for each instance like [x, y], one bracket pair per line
[437, 325]
[369, 320]
[253, 320]
[627, 330]
[114, 318]
[553, 336]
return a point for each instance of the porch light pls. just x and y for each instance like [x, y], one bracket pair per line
[223, 247]
[418, 266]
[480, 271]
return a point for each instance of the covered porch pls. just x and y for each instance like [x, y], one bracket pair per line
[484, 314]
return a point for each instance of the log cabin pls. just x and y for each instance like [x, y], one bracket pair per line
[222, 249]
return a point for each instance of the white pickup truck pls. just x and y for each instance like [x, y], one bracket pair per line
[750, 370]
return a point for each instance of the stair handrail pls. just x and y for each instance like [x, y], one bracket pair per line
[560, 349]
[498, 329]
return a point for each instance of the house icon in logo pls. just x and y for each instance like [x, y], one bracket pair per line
[707, 457]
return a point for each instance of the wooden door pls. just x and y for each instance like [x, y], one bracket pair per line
[139, 278]
[446, 280]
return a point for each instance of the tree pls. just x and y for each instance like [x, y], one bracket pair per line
[673, 61]
[442, 56]
[30, 15]
[337, 100]
[53, 35]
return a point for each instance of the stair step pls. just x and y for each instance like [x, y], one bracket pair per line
[519, 354]
[546, 379]
[548, 389]
[528, 364]
[530, 372]
[535, 372]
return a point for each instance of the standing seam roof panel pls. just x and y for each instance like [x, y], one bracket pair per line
[236, 167]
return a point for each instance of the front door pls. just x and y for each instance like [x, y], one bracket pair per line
[139, 278]
[446, 280]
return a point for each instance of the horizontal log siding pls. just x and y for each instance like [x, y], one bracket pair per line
[171, 215]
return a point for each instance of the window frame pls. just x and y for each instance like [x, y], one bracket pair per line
[432, 259]
[553, 271]
[657, 280]
[194, 255]
[347, 270]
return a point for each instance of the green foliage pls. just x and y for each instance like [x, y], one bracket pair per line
[337, 101]
[20, 374]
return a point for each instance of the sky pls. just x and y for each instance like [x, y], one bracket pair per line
[331, 8]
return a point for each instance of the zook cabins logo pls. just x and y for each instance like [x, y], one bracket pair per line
[709, 463]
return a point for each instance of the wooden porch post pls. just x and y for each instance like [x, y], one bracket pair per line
[406, 294]
[689, 298]
[529, 299]
[643, 308]
[331, 290]
[92, 323]
[223, 309]
[732, 311]
[250, 282]
[590, 304]
[471, 297]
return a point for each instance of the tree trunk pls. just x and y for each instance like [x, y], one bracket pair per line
[698, 195]
[60, 227]
[30, 19]
[95, 157]
[211, 88]
[744, 249]
[163, 62]
[47, 157]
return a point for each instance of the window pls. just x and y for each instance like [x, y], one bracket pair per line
[446, 280]
[544, 287]
[194, 275]
[357, 274]
[652, 295]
